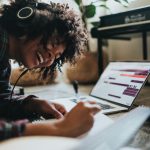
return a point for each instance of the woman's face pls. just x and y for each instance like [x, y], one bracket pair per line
[34, 55]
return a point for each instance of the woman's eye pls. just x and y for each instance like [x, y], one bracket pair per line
[56, 41]
[53, 44]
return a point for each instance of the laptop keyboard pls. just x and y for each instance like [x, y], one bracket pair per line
[103, 106]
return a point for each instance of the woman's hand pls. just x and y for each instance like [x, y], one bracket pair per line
[78, 121]
[44, 108]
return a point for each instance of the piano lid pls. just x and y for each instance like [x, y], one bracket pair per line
[128, 17]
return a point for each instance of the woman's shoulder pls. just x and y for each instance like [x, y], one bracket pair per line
[3, 42]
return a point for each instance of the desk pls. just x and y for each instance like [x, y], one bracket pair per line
[62, 89]
[39, 143]
[121, 33]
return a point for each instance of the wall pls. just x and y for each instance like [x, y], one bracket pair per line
[71, 3]
[127, 50]
[117, 50]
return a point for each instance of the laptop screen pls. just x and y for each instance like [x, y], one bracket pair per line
[121, 81]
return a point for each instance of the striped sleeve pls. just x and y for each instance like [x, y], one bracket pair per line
[11, 129]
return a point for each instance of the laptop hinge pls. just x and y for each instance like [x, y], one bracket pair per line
[122, 105]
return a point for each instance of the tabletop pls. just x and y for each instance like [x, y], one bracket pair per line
[65, 89]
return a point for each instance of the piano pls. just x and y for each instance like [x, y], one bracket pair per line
[122, 26]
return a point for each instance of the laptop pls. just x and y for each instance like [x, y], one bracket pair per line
[117, 87]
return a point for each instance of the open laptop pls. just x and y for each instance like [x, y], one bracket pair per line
[117, 87]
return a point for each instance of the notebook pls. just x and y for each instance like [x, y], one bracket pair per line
[117, 87]
[118, 134]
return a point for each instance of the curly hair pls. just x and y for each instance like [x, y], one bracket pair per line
[47, 19]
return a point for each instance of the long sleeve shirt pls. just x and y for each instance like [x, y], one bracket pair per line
[10, 109]
[11, 129]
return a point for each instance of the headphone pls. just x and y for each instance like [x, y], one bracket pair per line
[26, 14]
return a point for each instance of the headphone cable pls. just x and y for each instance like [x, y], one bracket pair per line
[24, 72]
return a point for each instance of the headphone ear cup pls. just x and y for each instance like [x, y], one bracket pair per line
[25, 16]
[25, 13]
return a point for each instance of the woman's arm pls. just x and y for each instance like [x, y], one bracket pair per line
[78, 121]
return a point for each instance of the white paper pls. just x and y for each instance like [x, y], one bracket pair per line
[101, 120]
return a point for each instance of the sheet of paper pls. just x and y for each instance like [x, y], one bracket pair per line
[66, 102]
[130, 148]
[101, 120]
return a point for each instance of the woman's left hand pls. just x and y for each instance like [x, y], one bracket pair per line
[45, 108]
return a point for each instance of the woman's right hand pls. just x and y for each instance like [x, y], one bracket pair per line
[78, 121]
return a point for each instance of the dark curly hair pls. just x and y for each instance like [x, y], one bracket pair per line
[47, 18]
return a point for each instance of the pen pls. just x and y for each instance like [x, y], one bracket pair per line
[76, 87]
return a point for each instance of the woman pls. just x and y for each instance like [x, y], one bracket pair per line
[40, 36]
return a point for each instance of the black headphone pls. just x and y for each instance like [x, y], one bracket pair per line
[27, 13]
